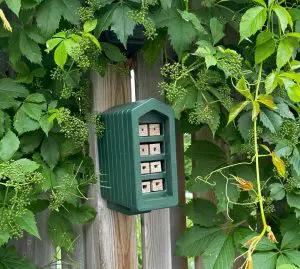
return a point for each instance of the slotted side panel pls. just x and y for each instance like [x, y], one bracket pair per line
[111, 238]
[160, 228]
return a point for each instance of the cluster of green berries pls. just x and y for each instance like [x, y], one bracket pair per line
[171, 88]
[269, 207]
[291, 184]
[172, 91]
[289, 131]
[141, 17]
[224, 95]
[248, 148]
[8, 223]
[230, 62]
[86, 13]
[72, 127]
[57, 74]
[20, 186]
[202, 113]
[85, 54]
[67, 92]
[99, 124]
[210, 77]
[174, 71]
[65, 192]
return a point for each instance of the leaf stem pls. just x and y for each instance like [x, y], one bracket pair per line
[260, 198]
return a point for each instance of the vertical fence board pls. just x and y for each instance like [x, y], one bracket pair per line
[159, 227]
[41, 252]
[111, 238]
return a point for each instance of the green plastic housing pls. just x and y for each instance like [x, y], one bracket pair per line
[120, 157]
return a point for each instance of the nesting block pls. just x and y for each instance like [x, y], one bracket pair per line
[157, 185]
[154, 129]
[146, 186]
[138, 147]
[155, 167]
[154, 149]
[145, 168]
[143, 130]
[144, 149]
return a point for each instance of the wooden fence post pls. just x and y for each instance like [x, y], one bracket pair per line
[160, 228]
[40, 252]
[111, 238]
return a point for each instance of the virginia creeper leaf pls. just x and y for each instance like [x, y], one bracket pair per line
[252, 21]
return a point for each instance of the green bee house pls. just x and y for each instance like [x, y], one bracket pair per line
[138, 157]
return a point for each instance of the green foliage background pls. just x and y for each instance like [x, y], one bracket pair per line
[234, 72]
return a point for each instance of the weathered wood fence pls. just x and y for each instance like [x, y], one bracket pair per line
[110, 242]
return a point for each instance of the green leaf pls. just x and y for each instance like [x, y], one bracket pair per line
[267, 100]
[270, 120]
[285, 50]
[293, 200]
[50, 151]
[217, 30]
[271, 82]
[122, 24]
[283, 150]
[49, 14]
[30, 49]
[195, 240]
[264, 244]
[295, 160]
[283, 16]
[34, 111]
[26, 165]
[113, 52]
[30, 141]
[4, 237]
[28, 223]
[60, 55]
[290, 240]
[9, 144]
[207, 157]
[181, 42]
[23, 123]
[266, 260]
[60, 231]
[236, 110]
[294, 92]
[244, 124]
[243, 88]
[293, 256]
[11, 88]
[89, 26]
[11, 259]
[14, 6]
[52, 43]
[220, 252]
[35, 98]
[104, 17]
[166, 4]
[252, 21]
[261, 2]
[210, 60]
[187, 101]
[153, 48]
[204, 213]
[45, 124]
[81, 214]
[286, 266]
[277, 191]
[265, 47]
[191, 17]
